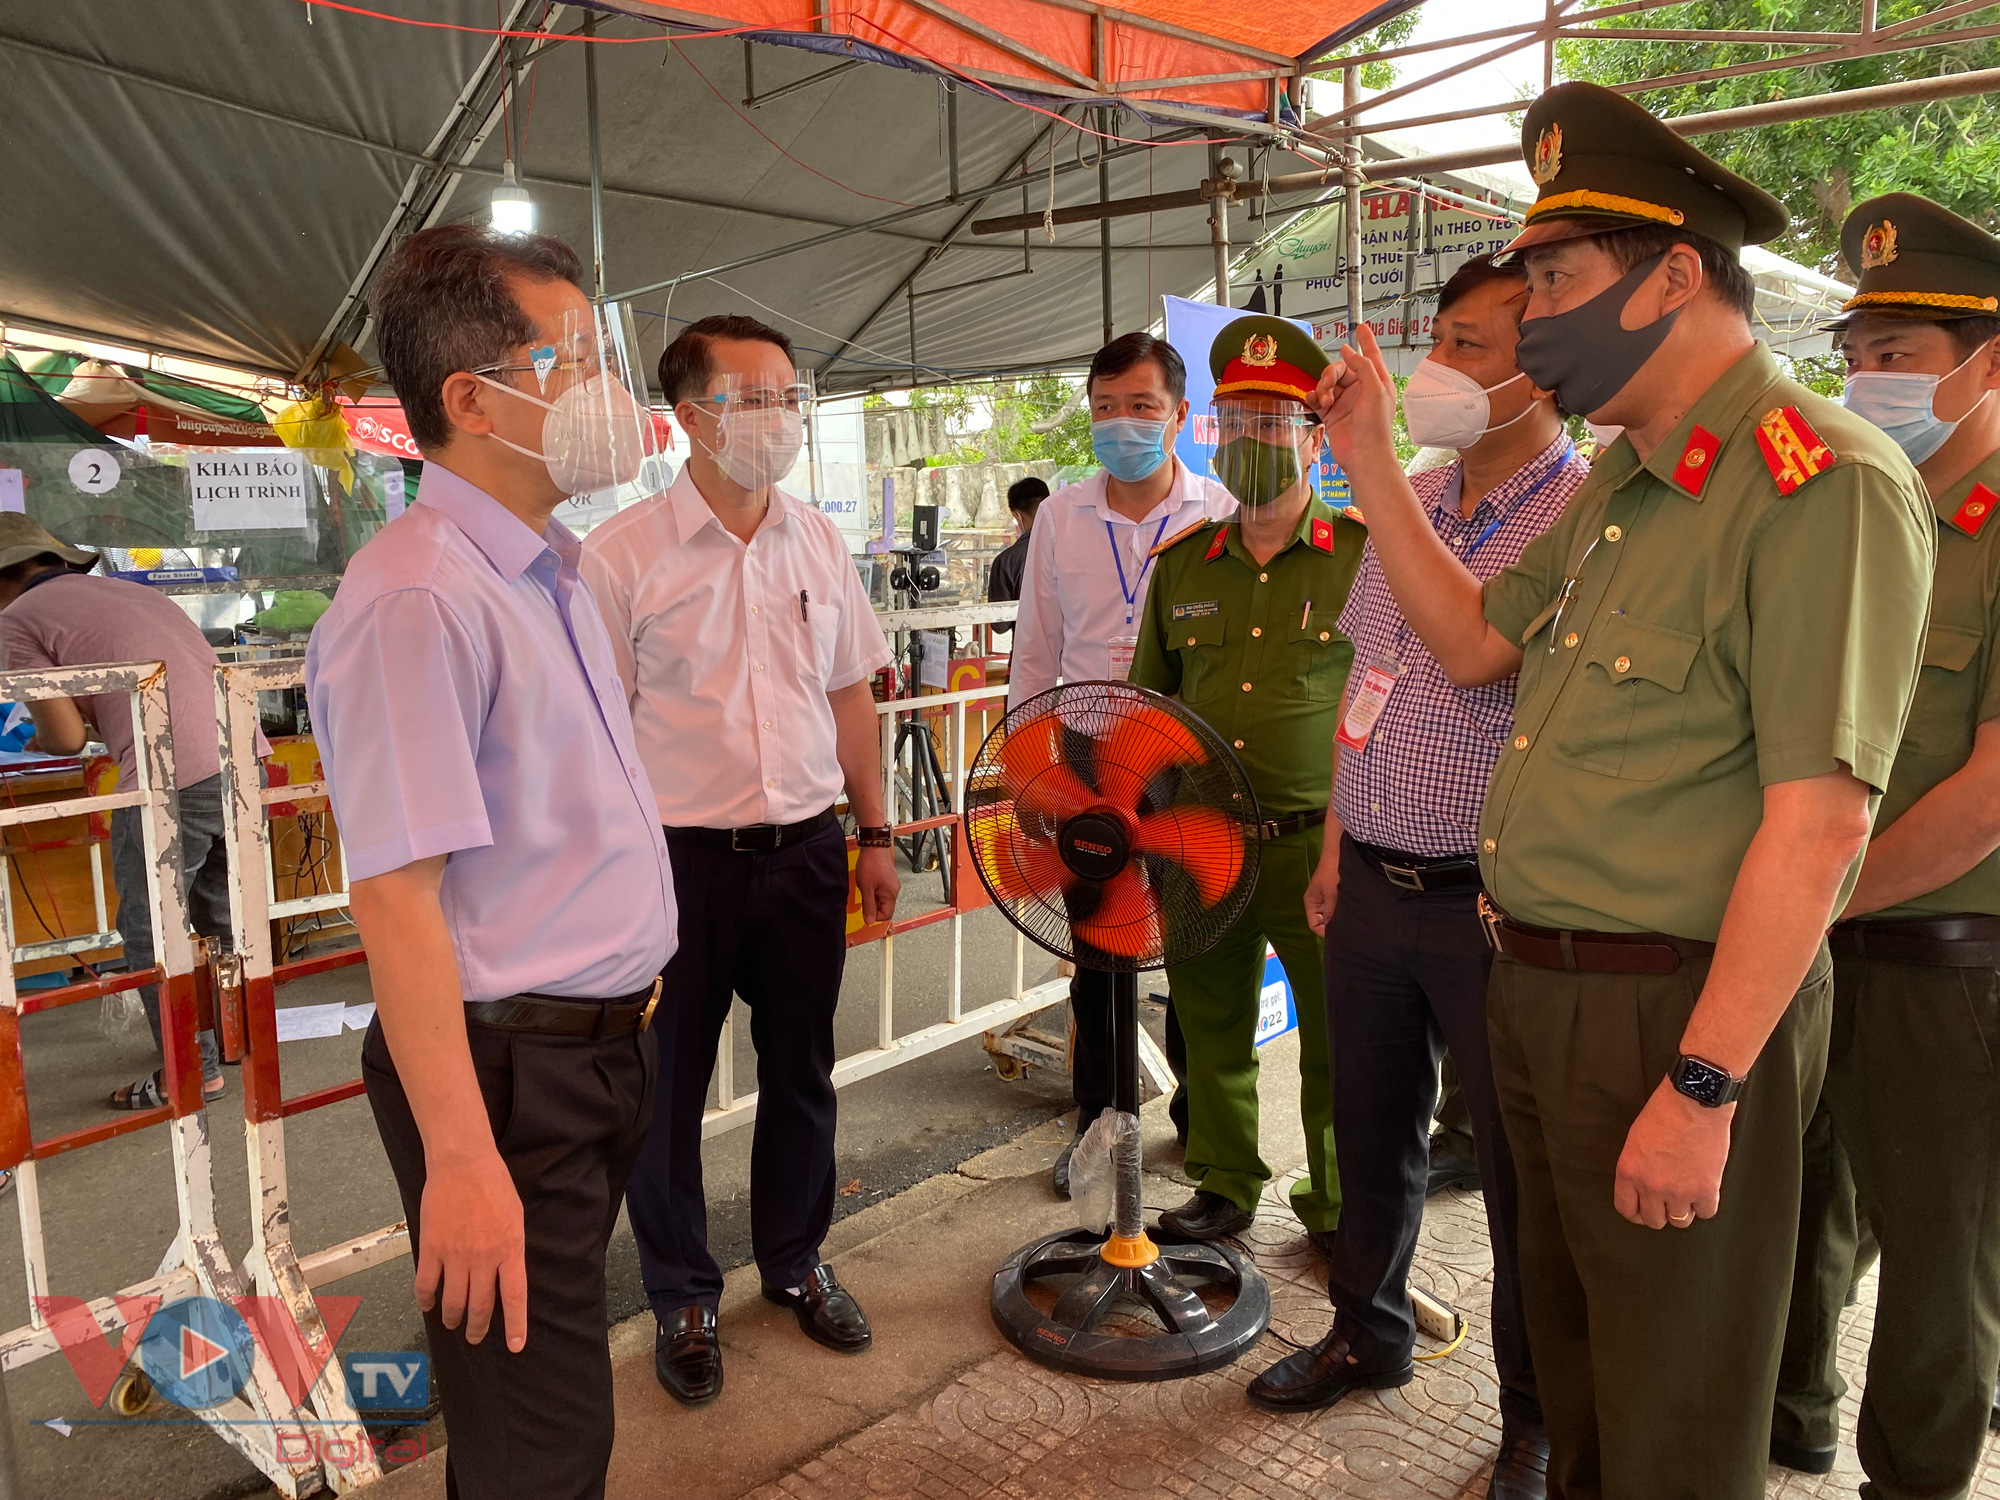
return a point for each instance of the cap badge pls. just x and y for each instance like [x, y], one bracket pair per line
[1548, 155]
[1878, 245]
[1260, 349]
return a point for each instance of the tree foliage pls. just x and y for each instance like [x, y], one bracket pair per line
[1948, 151]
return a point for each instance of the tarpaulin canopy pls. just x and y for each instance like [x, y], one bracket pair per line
[250, 165]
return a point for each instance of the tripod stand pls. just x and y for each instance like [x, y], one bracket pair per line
[919, 777]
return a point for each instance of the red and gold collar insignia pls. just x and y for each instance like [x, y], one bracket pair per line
[1697, 458]
[1792, 451]
[1976, 511]
[1321, 534]
[1216, 547]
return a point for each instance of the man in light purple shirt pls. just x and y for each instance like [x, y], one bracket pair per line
[509, 876]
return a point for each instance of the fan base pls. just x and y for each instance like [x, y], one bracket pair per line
[1192, 1340]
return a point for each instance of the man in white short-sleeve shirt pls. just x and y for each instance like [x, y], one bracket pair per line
[1089, 558]
[747, 644]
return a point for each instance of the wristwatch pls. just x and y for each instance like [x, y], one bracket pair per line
[1705, 1083]
[875, 838]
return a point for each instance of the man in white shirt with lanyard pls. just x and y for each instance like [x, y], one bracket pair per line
[747, 645]
[1089, 557]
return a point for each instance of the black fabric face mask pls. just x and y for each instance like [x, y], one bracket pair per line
[1584, 355]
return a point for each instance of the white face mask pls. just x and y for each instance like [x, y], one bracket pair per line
[593, 436]
[1446, 408]
[758, 448]
[1903, 406]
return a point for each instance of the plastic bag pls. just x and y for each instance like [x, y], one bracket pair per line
[119, 1012]
[1093, 1169]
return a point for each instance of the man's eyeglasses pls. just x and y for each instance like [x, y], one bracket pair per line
[1568, 595]
[793, 398]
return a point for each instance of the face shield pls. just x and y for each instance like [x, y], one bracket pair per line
[597, 433]
[759, 425]
[1264, 445]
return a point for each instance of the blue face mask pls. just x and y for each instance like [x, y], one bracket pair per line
[1130, 448]
[1902, 406]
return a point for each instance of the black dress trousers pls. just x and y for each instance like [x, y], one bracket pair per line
[1405, 979]
[569, 1115]
[773, 929]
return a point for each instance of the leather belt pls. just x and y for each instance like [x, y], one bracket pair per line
[1419, 872]
[1587, 952]
[1278, 828]
[758, 838]
[556, 1015]
[1956, 942]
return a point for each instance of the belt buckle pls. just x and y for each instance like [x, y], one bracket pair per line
[1268, 830]
[768, 836]
[1490, 918]
[1403, 877]
[652, 1000]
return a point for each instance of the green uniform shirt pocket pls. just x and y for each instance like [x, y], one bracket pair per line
[1199, 642]
[1318, 664]
[1625, 707]
[1946, 708]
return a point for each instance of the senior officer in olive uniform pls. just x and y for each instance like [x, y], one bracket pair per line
[1239, 624]
[1718, 642]
[1911, 1091]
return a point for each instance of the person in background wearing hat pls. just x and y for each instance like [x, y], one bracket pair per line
[1239, 624]
[1395, 892]
[54, 614]
[1089, 557]
[1717, 644]
[1912, 1096]
[1003, 580]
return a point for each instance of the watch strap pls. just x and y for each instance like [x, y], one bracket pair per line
[1708, 1084]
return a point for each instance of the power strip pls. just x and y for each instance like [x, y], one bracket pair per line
[1436, 1318]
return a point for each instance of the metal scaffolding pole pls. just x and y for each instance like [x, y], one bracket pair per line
[1218, 220]
[1104, 225]
[596, 162]
[1350, 88]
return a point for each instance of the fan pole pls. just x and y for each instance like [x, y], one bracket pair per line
[1125, 1042]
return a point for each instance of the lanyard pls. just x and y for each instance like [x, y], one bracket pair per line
[1561, 463]
[1131, 594]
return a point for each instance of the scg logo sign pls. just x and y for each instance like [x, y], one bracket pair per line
[365, 426]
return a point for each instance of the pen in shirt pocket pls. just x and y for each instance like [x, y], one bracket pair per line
[802, 607]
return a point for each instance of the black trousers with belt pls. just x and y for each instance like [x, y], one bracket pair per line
[1406, 975]
[569, 1115]
[773, 929]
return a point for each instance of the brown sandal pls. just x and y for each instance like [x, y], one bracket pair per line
[147, 1092]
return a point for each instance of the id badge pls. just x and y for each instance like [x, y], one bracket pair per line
[1123, 649]
[1366, 702]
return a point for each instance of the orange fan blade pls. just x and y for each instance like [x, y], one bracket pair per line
[1127, 920]
[1021, 868]
[1206, 843]
[1140, 743]
[1034, 770]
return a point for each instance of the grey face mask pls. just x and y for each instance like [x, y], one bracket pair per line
[1585, 355]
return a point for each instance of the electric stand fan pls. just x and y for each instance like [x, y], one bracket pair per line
[1116, 830]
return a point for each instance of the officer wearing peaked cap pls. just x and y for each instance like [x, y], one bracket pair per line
[1239, 624]
[1912, 1102]
[1717, 644]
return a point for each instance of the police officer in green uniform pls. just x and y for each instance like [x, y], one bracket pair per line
[1239, 624]
[1717, 642]
[1912, 1094]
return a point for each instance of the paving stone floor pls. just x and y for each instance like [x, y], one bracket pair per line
[1012, 1430]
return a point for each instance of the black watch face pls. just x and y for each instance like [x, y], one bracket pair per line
[1701, 1082]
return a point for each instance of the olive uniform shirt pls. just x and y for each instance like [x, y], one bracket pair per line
[1235, 641]
[1748, 608]
[1959, 687]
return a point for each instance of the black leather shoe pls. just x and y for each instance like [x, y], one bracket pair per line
[1322, 1241]
[687, 1356]
[1317, 1377]
[1205, 1216]
[827, 1311]
[1521, 1472]
[1450, 1170]
[1801, 1459]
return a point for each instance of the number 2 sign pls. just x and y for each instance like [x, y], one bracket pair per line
[93, 471]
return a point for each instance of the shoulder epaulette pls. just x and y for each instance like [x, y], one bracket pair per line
[1179, 536]
[1792, 451]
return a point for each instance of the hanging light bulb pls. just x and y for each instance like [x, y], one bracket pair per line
[513, 209]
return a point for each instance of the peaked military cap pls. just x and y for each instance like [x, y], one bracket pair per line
[1919, 260]
[1263, 355]
[1603, 163]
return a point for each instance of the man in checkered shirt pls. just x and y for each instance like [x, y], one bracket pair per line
[1394, 894]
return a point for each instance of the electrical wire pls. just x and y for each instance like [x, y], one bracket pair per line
[1464, 1327]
